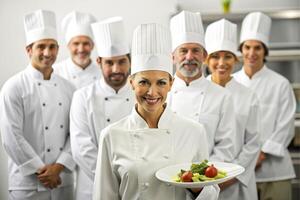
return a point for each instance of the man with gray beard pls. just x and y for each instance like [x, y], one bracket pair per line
[195, 97]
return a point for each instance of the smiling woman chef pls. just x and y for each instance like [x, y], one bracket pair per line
[152, 137]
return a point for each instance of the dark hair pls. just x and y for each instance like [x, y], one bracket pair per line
[29, 46]
[266, 50]
[128, 56]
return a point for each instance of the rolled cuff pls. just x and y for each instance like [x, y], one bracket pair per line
[273, 148]
[66, 160]
[245, 177]
[30, 167]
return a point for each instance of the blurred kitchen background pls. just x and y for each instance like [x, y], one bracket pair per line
[284, 54]
[284, 41]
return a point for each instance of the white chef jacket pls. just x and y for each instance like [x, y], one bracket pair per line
[76, 75]
[278, 106]
[93, 108]
[247, 145]
[211, 105]
[130, 153]
[34, 117]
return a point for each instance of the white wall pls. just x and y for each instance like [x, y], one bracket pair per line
[237, 5]
[12, 52]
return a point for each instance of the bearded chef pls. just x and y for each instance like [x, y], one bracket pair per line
[195, 97]
[101, 103]
[79, 68]
[274, 168]
[152, 136]
[34, 116]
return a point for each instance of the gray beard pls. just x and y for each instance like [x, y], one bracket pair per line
[187, 73]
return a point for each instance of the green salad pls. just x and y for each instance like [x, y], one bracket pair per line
[200, 172]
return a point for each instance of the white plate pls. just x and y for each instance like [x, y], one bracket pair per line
[166, 174]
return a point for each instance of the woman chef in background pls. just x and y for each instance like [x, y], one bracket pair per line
[221, 45]
[152, 136]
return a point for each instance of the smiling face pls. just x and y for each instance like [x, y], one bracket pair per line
[221, 64]
[253, 54]
[80, 48]
[115, 70]
[42, 53]
[188, 59]
[151, 89]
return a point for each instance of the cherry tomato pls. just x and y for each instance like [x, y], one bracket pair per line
[211, 171]
[187, 176]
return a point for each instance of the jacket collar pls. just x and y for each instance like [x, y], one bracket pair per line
[229, 84]
[36, 74]
[179, 83]
[165, 121]
[110, 91]
[258, 74]
[75, 69]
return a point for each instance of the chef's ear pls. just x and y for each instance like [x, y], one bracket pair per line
[29, 49]
[173, 57]
[171, 82]
[205, 55]
[98, 60]
[131, 81]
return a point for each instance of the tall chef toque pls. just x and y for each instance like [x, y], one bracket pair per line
[151, 49]
[110, 37]
[256, 26]
[221, 36]
[77, 24]
[186, 27]
[39, 25]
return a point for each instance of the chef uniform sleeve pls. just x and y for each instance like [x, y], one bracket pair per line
[283, 132]
[12, 118]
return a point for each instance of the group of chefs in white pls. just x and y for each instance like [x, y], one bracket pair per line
[116, 121]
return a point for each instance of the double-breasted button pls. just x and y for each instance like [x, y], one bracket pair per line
[108, 120]
[59, 103]
[74, 77]
[196, 114]
[106, 99]
[39, 84]
[55, 84]
[60, 148]
[44, 104]
[175, 92]
[61, 126]
[127, 99]
[166, 156]
[94, 77]
[46, 128]
[168, 132]
[48, 150]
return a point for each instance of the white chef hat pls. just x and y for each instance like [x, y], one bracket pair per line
[186, 27]
[221, 36]
[77, 24]
[110, 37]
[151, 49]
[40, 25]
[256, 26]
